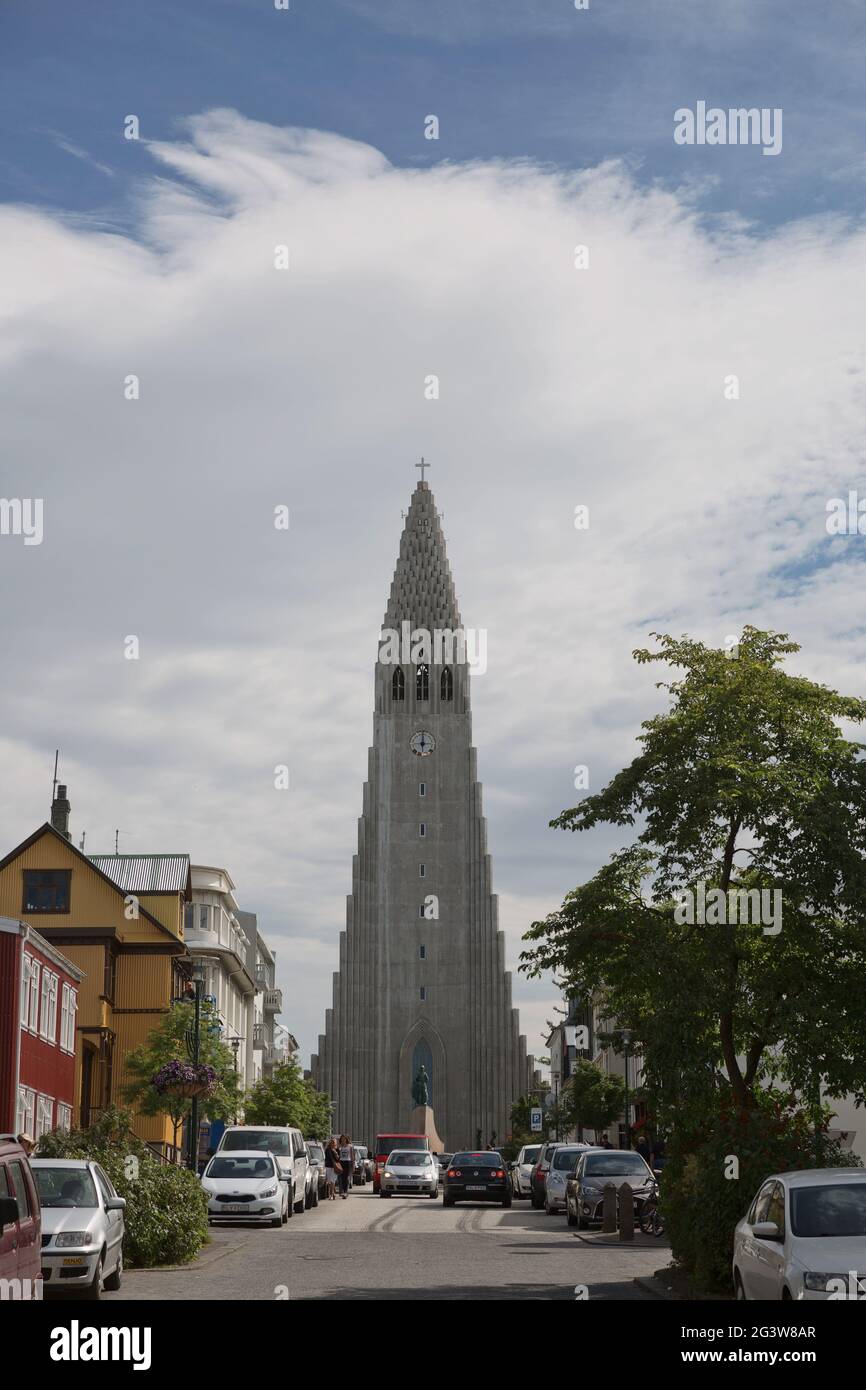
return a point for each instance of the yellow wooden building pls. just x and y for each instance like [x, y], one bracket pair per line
[120, 919]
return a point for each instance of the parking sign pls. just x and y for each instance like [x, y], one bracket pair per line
[535, 1119]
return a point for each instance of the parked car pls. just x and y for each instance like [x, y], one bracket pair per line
[804, 1237]
[410, 1170]
[538, 1177]
[360, 1170]
[521, 1170]
[20, 1221]
[316, 1160]
[82, 1226]
[476, 1177]
[596, 1168]
[288, 1147]
[562, 1165]
[246, 1186]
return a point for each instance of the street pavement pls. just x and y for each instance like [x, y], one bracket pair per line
[403, 1248]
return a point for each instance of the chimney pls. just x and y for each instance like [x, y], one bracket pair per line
[60, 809]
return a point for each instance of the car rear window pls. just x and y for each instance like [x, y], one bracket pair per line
[470, 1160]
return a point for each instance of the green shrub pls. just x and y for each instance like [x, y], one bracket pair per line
[166, 1208]
[702, 1206]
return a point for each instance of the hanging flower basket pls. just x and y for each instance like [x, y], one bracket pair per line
[184, 1079]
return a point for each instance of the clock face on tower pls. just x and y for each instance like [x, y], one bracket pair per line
[422, 744]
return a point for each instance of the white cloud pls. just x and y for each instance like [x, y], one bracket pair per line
[305, 387]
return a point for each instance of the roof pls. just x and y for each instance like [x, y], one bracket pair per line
[808, 1177]
[16, 927]
[145, 873]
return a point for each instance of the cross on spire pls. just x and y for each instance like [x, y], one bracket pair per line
[422, 465]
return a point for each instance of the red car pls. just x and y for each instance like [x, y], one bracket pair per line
[20, 1222]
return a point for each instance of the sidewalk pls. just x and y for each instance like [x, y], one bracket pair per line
[640, 1242]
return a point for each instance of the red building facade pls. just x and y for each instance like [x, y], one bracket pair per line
[38, 1009]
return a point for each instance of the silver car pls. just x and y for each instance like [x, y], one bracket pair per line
[561, 1165]
[521, 1170]
[410, 1170]
[82, 1226]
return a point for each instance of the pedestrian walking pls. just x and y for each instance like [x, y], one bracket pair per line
[643, 1148]
[332, 1165]
[347, 1162]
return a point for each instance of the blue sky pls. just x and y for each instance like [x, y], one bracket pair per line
[518, 78]
[602, 387]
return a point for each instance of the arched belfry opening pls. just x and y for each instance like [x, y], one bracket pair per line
[422, 683]
[446, 685]
[398, 684]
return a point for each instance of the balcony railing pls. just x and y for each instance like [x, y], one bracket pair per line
[273, 1003]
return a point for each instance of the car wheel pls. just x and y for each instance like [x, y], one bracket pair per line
[739, 1290]
[383, 1193]
[435, 1195]
[289, 1207]
[308, 1200]
[548, 1209]
[787, 1296]
[113, 1282]
[94, 1290]
[299, 1205]
[506, 1201]
[315, 1197]
[537, 1202]
[447, 1201]
[277, 1222]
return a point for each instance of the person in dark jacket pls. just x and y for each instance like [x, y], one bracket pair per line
[331, 1165]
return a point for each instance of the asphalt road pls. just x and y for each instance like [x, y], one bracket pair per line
[401, 1248]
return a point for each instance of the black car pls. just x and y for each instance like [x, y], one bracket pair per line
[476, 1177]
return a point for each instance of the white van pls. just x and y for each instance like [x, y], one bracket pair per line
[288, 1147]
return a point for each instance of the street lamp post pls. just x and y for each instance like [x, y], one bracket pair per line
[194, 1047]
[626, 1039]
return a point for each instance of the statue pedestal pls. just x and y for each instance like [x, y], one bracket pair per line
[422, 1122]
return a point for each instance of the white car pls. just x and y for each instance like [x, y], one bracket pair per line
[410, 1170]
[286, 1144]
[521, 1170]
[804, 1237]
[82, 1226]
[246, 1187]
[562, 1165]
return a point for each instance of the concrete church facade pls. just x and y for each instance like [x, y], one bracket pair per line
[422, 978]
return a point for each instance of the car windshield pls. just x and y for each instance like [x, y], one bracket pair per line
[418, 1160]
[470, 1160]
[225, 1167]
[615, 1165]
[530, 1155]
[839, 1209]
[274, 1140]
[387, 1143]
[565, 1159]
[65, 1187]
[360, 1151]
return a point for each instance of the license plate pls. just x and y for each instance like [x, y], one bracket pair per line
[74, 1260]
[236, 1206]
[477, 1188]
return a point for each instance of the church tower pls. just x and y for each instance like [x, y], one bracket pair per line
[422, 976]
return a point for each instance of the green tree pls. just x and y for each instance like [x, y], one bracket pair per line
[171, 1041]
[745, 783]
[286, 1098]
[591, 1098]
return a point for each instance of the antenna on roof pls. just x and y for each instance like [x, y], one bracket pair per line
[116, 833]
[54, 783]
[81, 846]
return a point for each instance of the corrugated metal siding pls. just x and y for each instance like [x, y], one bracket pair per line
[145, 873]
[143, 982]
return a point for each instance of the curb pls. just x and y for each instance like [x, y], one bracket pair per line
[208, 1256]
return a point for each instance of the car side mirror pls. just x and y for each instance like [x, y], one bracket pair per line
[116, 1204]
[766, 1230]
[8, 1211]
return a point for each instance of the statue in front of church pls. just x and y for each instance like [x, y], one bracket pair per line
[421, 1087]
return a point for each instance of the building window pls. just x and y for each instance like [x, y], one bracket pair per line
[48, 1026]
[189, 916]
[64, 1116]
[423, 993]
[68, 1007]
[446, 684]
[422, 830]
[422, 788]
[422, 952]
[26, 965]
[422, 683]
[44, 1115]
[202, 917]
[26, 1109]
[46, 890]
[423, 870]
[34, 995]
[398, 685]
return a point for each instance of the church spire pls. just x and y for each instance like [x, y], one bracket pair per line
[422, 590]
